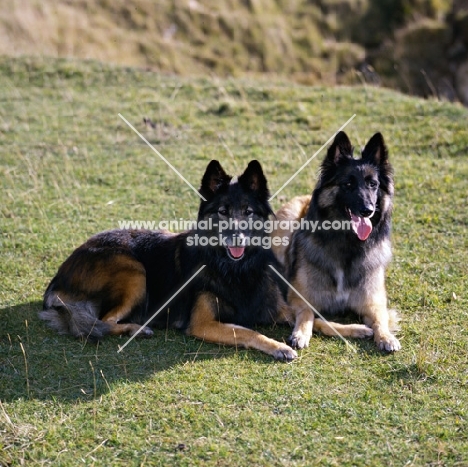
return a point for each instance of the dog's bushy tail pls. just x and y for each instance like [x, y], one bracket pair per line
[76, 318]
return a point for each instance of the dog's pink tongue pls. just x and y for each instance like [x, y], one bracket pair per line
[362, 226]
[236, 251]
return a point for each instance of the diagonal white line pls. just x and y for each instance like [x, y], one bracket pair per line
[161, 156]
[317, 152]
[313, 309]
[154, 315]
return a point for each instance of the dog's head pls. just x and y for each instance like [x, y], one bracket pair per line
[235, 207]
[360, 190]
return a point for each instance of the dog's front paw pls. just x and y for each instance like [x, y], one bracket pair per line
[285, 353]
[299, 340]
[388, 342]
[143, 332]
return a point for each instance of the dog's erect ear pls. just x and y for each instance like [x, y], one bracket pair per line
[215, 177]
[340, 148]
[375, 151]
[253, 179]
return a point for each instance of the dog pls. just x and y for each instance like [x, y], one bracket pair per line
[343, 269]
[118, 279]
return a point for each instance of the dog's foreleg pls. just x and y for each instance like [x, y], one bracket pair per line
[377, 316]
[383, 337]
[203, 325]
[370, 303]
[304, 325]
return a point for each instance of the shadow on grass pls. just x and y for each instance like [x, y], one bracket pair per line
[37, 363]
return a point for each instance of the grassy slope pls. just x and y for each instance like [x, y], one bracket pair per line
[306, 40]
[69, 167]
[221, 36]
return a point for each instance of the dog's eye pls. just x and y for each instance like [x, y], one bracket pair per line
[223, 211]
[372, 183]
[248, 212]
[348, 185]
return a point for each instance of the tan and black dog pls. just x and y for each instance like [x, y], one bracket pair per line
[338, 263]
[118, 279]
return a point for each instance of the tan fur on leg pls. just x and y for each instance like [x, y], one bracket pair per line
[204, 326]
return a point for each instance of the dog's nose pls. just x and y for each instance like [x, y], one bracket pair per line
[239, 239]
[365, 211]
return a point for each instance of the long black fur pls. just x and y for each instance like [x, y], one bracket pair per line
[247, 289]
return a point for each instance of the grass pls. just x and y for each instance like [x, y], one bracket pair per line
[70, 167]
[222, 37]
[312, 42]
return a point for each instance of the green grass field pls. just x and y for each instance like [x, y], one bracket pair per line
[70, 167]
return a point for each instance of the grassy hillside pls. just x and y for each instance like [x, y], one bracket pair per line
[185, 37]
[70, 167]
[323, 41]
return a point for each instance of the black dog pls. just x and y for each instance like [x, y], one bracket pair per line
[118, 279]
